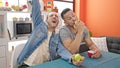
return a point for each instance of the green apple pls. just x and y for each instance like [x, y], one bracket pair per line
[77, 57]
[75, 23]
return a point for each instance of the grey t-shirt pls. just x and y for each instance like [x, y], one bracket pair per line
[66, 33]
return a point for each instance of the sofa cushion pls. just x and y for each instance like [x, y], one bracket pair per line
[100, 42]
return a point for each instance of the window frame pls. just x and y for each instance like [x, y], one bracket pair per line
[68, 1]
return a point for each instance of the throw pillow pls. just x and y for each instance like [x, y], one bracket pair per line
[100, 43]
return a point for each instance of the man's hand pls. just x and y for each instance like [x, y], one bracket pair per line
[77, 63]
[93, 47]
[79, 26]
[96, 54]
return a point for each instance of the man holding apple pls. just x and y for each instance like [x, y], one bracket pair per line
[44, 43]
[74, 32]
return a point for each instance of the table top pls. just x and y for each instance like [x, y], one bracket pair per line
[108, 60]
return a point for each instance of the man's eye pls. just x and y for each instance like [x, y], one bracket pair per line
[51, 15]
[69, 18]
[73, 15]
[56, 16]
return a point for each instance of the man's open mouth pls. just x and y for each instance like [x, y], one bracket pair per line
[54, 21]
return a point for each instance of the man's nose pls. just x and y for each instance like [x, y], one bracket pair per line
[73, 18]
[54, 16]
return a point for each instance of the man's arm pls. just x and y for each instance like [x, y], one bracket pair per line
[64, 53]
[93, 47]
[36, 13]
[90, 43]
[71, 45]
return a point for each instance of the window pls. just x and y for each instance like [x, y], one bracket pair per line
[71, 1]
[62, 4]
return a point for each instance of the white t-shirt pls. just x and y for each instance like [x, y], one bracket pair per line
[41, 54]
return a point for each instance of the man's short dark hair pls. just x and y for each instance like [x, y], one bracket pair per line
[64, 12]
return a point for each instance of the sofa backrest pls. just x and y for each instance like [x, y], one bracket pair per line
[113, 44]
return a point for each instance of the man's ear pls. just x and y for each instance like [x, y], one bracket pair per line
[46, 20]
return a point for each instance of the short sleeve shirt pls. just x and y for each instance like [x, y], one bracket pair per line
[66, 33]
